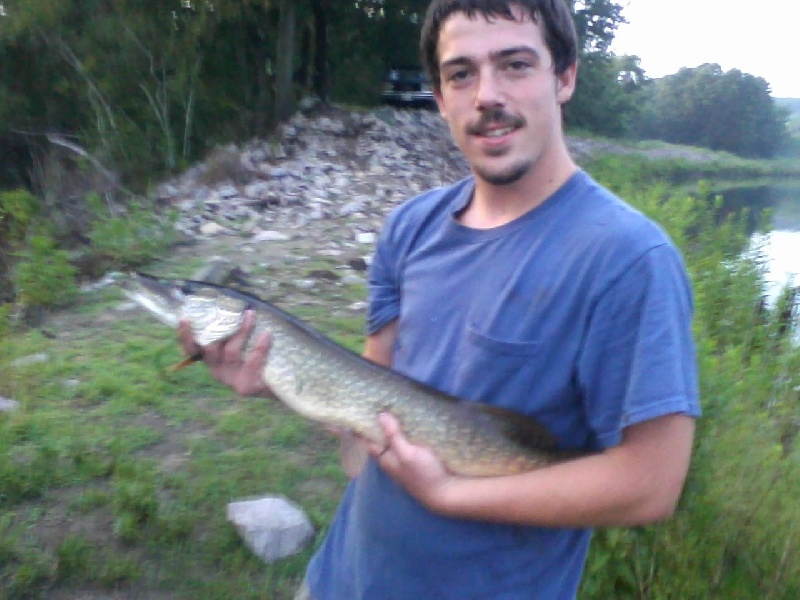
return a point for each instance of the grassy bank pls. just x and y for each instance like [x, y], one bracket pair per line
[652, 162]
[114, 473]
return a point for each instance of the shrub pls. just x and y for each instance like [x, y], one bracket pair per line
[132, 236]
[43, 275]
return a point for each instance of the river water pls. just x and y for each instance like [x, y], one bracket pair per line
[780, 246]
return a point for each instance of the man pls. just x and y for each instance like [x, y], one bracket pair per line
[526, 286]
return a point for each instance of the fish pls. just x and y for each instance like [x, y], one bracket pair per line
[332, 385]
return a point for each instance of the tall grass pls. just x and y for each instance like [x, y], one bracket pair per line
[737, 531]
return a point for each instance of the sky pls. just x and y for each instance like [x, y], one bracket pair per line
[670, 34]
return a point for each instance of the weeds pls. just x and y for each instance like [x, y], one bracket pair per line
[735, 533]
[118, 480]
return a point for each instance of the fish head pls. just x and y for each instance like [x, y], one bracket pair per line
[211, 314]
[164, 299]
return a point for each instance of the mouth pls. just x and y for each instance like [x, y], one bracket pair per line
[497, 133]
[495, 124]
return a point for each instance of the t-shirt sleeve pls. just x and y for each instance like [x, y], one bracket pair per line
[638, 361]
[383, 281]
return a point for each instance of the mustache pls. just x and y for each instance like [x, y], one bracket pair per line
[496, 117]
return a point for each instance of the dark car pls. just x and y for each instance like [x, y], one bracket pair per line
[408, 86]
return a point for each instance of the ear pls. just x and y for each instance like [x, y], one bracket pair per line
[565, 83]
[440, 103]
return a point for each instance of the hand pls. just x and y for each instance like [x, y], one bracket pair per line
[421, 473]
[226, 359]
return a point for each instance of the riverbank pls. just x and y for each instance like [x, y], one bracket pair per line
[115, 472]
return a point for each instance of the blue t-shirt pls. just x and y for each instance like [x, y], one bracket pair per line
[577, 313]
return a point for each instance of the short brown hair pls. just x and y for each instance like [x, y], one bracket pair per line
[554, 15]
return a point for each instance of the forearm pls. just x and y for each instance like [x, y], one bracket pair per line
[587, 492]
[636, 482]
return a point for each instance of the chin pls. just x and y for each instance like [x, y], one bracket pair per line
[502, 176]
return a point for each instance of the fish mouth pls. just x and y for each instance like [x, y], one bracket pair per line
[162, 298]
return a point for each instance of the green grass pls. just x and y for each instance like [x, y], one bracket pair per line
[115, 473]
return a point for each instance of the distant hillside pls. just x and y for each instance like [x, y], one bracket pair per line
[792, 104]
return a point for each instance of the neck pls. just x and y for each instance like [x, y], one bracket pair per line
[495, 205]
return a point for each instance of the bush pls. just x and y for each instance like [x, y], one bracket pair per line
[43, 275]
[134, 236]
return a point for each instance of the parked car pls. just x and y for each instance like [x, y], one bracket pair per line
[408, 86]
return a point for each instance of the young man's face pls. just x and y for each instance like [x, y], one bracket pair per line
[499, 94]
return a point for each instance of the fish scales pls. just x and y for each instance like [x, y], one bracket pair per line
[330, 384]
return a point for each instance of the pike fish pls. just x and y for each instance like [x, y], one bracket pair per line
[322, 380]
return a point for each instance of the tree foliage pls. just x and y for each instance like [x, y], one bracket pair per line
[148, 86]
[721, 110]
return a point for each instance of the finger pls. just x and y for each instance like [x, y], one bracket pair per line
[257, 357]
[234, 346]
[396, 441]
[390, 428]
[186, 339]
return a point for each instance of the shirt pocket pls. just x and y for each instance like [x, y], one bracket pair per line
[497, 371]
[493, 345]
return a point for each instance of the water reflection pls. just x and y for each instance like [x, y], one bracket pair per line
[780, 249]
[780, 246]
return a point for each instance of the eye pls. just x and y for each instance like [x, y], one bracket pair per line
[458, 75]
[518, 65]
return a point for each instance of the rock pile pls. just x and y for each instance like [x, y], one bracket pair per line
[335, 164]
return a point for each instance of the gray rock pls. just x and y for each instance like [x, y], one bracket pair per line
[259, 190]
[8, 405]
[352, 207]
[32, 359]
[272, 527]
[228, 191]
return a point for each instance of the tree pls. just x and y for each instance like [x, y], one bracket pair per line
[284, 101]
[604, 99]
[708, 107]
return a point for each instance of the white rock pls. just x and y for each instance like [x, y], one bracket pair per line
[7, 404]
[126, 307]
[365, 237]
[272, 527]
[212, 228]
[305, 284]
[270, 236]
[353, 279]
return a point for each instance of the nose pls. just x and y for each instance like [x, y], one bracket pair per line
[488, 92]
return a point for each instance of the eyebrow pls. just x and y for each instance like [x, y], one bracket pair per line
[494, 56]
